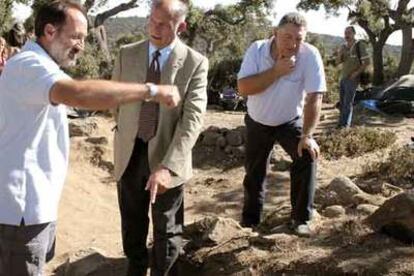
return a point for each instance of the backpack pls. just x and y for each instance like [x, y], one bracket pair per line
[365, 76]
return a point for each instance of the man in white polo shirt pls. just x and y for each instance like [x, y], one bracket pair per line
[34, 139]
[284, 79]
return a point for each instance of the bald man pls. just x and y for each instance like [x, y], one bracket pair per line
[153, 145]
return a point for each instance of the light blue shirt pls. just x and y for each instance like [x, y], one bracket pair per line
[34, 139]
[164, 53]
[284, 99]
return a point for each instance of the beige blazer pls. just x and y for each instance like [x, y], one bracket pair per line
[178, 128]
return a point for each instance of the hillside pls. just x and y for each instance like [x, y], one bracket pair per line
[121, 26]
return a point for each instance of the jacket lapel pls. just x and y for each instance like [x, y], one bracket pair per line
[141, 63]
[173, 64]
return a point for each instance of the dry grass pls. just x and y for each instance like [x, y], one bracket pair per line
[354, 142]
[398, 168]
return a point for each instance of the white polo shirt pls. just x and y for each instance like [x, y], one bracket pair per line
[34, 139]
[284, 99]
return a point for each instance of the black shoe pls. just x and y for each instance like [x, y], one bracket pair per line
[248, 224]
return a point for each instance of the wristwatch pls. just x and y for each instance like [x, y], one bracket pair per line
[153, 90]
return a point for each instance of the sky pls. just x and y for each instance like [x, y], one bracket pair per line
[318, 22]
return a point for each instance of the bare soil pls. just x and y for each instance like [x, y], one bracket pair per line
[89, 218]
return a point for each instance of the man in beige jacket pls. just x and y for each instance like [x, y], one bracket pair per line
[153, 157]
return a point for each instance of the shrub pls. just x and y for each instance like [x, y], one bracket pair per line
[398, 168]
[332, 81]
[92, 64]
[354, 142]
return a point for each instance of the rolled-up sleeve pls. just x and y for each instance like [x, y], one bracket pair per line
[249, 66]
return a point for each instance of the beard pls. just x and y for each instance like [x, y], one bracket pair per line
[64, 56]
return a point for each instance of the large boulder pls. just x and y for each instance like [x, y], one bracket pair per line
[89, 262]
[210, 138]
[234, 138]
[334, 211]
[396, 217]
[211, 231]
[342, 191]
[345, 189]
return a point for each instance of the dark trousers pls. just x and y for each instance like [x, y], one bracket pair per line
[167, 217]
[260, 141]
[25, 249]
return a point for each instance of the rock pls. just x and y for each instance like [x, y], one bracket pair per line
[238, 151]
[396, 217]
[210, 138]
[97, 140]
[281, 165]
[228, 149]
[272, 157]
[334, 211]
[366, 209]
[221, 142]
[82, 127]
[324, 197]
[372, 186]
[84, 262]
[215, 230]
[234, 138]
[344, 188]
[364, 198]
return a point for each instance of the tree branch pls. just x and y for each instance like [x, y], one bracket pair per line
[100, 18]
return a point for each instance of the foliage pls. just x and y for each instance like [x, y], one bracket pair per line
[354, 142]
[379, 20]
[397, 169]
[128, 39]
[223, 34]
[390, 67]
[6, 13]
[332, 75]
[91, 65]
[222, 74]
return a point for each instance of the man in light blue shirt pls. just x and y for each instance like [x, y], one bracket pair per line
[34, 139]
[283, 78]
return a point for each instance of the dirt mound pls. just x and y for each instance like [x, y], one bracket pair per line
[89, 224]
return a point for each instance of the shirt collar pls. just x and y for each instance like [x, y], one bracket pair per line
[35, 47]
[164, 52]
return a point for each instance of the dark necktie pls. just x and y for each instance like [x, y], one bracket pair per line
[148, 117]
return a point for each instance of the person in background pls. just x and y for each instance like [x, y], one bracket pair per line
[3, 53]
[34, 135]
[283, 78]
[153, 154]
[355, 59]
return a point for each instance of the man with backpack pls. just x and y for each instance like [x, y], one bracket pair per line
[355, 59]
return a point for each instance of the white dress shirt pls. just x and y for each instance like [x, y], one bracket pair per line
[164, 53]
[34, 139]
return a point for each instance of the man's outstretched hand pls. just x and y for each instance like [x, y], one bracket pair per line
[168, 95]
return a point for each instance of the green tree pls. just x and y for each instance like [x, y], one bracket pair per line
[6, 13]
[379, 20]
[223, 34]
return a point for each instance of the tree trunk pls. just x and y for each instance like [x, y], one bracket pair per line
[407, 52]
[100, 18]
[99, 34]
[378, 63]
[98, 27]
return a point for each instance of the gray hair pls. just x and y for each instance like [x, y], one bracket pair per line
[177, 8]
[293, 18]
